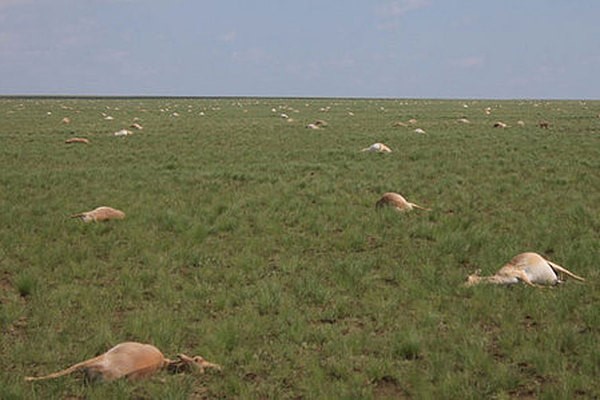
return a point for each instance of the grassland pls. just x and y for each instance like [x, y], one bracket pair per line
[254, 242]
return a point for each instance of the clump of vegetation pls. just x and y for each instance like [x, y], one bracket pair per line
[25, 283]
[407, 347]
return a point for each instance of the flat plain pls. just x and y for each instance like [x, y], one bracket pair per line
[254, 242]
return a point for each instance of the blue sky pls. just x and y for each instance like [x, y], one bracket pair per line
[327, 48]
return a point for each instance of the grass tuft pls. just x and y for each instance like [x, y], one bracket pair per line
[26, 284]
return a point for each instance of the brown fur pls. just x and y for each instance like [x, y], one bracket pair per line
[100, 214]
[130, 360]
[530, 268]
[544, 124]
[398, 202]
[77, 140]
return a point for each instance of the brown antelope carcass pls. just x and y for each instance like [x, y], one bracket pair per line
[378, 148]
[100, 214]
[530, 268]
[131, 360]
[398, 202]
[77, 140]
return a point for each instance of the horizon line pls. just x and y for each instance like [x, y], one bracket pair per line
[208, 97]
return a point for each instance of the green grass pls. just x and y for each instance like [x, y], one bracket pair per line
[254, 242]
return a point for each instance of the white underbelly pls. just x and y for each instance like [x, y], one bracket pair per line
[544, 275]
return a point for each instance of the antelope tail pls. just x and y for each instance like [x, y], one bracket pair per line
[565, 271]
[64, 372]
[420, 207]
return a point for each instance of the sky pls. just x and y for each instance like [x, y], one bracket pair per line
[508, 49]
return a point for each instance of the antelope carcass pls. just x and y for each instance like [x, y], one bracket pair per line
[398, 202]
[100, 214]
[378, 148]
[530, 268]
[77, 140]
[130, 360]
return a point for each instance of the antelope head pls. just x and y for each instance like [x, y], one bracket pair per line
[474, 278]
[197, 362]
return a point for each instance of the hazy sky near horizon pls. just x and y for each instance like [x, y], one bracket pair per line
[302, 48]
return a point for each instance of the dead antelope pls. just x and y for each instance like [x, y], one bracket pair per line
[131, 360]
[530, 268]
[500, 124]
[77, 140]
[378, 148]
[100, 214]
[398, 202]
[544, 124]
[123, 132]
